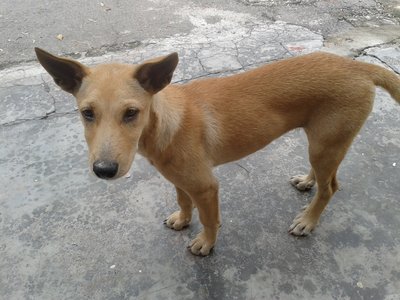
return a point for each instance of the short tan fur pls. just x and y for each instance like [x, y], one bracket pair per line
[186, 130]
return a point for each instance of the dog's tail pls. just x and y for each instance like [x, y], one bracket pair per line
[384, 78]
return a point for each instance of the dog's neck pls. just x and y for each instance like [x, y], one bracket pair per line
[164, 122]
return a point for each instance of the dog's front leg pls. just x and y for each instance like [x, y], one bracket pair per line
[181, 218]
[206, 201]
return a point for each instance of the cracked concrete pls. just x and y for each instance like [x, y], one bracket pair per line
[20, 103]
[327, 17]
[65, 234]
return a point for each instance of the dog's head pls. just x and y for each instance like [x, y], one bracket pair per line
[114, 101]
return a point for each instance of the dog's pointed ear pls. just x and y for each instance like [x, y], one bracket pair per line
[67, 73]
[156, 74]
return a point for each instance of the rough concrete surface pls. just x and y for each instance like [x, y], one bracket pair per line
[68, 235]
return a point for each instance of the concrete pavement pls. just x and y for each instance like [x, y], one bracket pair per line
[68, 235]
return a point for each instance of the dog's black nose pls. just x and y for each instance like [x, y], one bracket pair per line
[105, 169]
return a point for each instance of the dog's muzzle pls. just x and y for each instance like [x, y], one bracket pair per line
[105, 169]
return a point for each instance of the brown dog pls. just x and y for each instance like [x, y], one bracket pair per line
[186, 130]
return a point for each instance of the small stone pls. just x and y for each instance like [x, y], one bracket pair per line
[60, 37]
[112, 267]
[394, 164]
[360, 285]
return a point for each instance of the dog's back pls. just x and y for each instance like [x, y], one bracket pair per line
[278, 97]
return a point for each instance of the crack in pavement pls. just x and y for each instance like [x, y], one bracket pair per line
[51, 115]
[382, 61]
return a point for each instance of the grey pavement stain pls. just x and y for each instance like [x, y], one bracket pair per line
[65, 234]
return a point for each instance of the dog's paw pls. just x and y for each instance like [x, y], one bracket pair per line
[201, 245]
[302, 224]
[302, 182]
[176, 221]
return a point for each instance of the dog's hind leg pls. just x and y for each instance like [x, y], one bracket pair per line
[327, 149]
[181, 218]
[325, 163]
[303, 182]
[330, 136]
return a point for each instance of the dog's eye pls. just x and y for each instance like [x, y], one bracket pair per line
[130, 114]
[88, 114]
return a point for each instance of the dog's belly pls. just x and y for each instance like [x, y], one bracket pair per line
[243, 142]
